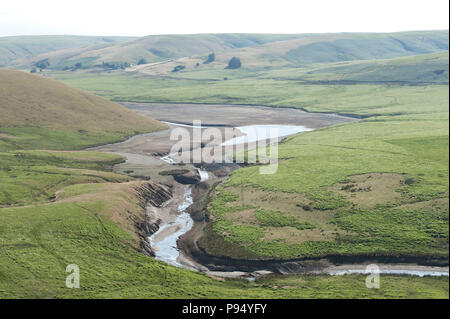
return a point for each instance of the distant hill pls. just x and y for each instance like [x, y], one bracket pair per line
[425, 68]
[153, 48]
[254, 50]
[40, 112]
[369, 46]
[20, 47]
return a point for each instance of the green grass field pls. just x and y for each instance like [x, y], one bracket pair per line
[374, 187]
[404, 135]
[39, 241]
[88, 223]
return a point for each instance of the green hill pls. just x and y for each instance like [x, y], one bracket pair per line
[42, 113]
[19, 47]
[426, 68]
[153, 48]
[255, 50]
[369, 46]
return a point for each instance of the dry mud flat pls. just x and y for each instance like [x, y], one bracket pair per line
[235, 115]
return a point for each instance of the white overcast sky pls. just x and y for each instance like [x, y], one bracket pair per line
[140, 17]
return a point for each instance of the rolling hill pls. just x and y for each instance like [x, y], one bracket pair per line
[40, 112]
[153, 48]
[26, 47]
[255, 50]
[424, 68]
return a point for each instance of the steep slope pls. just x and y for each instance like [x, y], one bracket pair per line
[40, 112]
[19, 47]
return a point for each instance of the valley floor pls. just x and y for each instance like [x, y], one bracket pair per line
[377, 186]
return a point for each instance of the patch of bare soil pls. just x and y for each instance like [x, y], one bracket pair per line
[8, 136]
[371, 189]
[290, 204]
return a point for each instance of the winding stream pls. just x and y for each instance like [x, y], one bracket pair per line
[166, 249]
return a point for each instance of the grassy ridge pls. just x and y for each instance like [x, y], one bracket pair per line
[254, 49]
[153, 48]
[41, 113]
[19, 47]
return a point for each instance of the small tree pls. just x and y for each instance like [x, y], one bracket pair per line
[33, 70]
[43, 64]
[211, 58]
[78, 65]
[178, 68]
[142, 61]
[234, 63]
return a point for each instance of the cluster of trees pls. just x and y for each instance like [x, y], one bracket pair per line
[41, 65]
[114, 66]
[142, 61]
[211, 58]
[77, 66]
[234, 63]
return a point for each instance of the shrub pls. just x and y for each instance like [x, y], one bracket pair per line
[178, 68]
[142, 61]
[43, 64]
[234, 63]
[211, 58]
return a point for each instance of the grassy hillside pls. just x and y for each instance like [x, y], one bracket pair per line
[153, 48]
[40, 113]
[379, 186]
[327, 200]
[424, 68]
[39, 242]
[281, 86]
[91, 222]
[255, 50]
[19, 47]
[369, 46]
